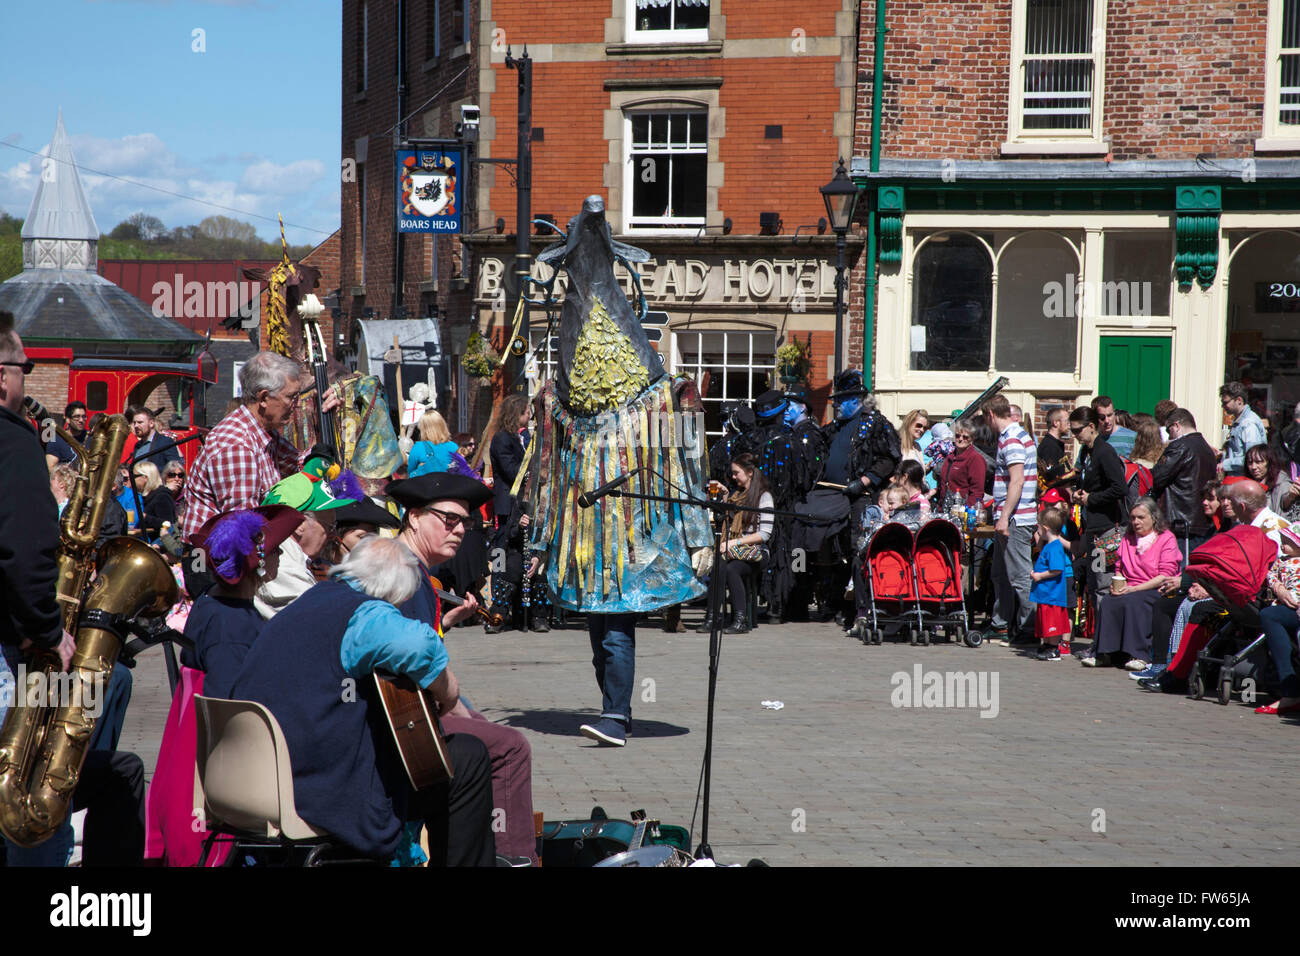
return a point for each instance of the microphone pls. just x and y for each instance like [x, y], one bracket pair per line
[589, 498]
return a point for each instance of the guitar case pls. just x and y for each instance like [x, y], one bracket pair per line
[587, 842]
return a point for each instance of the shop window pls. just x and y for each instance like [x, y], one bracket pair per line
[1037, 327]
[544, 355]
[739, 365]
[658, 21]
[1056, 69]
[953, 304]
[667, 169]
[1136, 274]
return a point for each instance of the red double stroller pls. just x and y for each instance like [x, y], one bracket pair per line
[914, 583]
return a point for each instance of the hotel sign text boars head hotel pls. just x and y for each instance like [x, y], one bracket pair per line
[774, 284]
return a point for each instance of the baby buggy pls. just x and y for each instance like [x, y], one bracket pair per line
[887, 569]
[937, 564]
[1224, 653]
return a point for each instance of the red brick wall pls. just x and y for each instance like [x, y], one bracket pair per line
[48, 384]
[1180, 80]
[569, 101]
[325, 257]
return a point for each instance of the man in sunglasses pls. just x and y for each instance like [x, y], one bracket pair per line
[111, 783]
[438, 506]
[29, 519]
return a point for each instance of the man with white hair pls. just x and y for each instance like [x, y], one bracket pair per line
[311, 668]
[246, 453]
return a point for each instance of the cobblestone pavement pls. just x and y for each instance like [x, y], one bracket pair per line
[841, 776]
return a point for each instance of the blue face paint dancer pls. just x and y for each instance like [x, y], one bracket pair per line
[613, 411]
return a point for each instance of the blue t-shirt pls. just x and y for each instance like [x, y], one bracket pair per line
[1054, 590]
[128, 502]
[428, 458]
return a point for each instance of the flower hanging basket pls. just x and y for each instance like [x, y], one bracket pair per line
[479, 361]
[792, 361]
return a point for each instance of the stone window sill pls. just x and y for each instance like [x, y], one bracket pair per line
[705, 48]
[1090, 147]
[1277, 144]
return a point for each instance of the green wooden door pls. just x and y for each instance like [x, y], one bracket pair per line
[1135, 370]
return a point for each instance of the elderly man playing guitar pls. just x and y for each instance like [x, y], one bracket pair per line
[437, 506]
[312, 666]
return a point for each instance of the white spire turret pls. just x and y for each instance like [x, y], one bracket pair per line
[60, 230]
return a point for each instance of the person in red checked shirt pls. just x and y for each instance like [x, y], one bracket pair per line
[246, 453]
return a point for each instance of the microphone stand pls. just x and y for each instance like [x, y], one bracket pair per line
[720, 510]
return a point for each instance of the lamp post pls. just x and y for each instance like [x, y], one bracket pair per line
[841, 196]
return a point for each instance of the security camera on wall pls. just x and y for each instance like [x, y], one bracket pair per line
[469, 120]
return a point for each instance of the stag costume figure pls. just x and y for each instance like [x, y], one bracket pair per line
[613, 411]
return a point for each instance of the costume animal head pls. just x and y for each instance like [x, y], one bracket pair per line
[605, 357]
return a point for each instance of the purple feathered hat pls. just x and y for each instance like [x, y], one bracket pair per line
[238, 541]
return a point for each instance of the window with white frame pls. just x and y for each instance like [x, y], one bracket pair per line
[952, 310]
[667, 169]
[739, 365]
[676, 21]
[1282, 92]
[543, 354]
[1057, 55]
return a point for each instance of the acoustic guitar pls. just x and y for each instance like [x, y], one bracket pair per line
[412, 715]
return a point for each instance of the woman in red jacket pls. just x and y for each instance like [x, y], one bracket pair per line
[963, 471]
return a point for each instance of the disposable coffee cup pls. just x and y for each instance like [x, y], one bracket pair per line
[1117, 583]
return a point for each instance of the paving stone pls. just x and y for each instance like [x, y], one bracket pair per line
[1181, 782]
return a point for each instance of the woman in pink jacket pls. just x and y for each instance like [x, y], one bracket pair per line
[1148, 556]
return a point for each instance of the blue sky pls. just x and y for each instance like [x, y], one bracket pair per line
[252, 122]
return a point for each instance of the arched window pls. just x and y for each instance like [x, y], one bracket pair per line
[1038, 324]
[953, 304]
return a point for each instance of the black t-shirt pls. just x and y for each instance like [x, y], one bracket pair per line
[1051, 451]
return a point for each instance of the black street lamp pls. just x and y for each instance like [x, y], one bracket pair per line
[841, 196]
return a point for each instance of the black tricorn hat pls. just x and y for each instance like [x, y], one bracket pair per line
[769, 403]
[365, 511]
[438, 486]
[848, 383]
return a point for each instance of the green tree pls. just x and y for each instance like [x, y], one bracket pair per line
[11, 256]
[139, 226]
[223, 227]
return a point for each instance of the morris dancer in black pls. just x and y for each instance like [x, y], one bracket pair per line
[863, 451]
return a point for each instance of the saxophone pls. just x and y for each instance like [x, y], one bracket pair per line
[42, 748]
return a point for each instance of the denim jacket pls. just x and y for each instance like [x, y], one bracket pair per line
[1246, 432]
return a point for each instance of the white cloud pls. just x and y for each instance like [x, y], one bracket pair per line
[298, 177]
[139, 172]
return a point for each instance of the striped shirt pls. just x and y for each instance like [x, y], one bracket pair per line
[1015, 447]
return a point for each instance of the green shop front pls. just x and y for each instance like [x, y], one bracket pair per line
[1140, 280]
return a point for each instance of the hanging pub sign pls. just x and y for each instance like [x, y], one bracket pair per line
[429, 191]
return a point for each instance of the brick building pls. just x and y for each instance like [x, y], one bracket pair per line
[695, 120]
[1086, 197]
